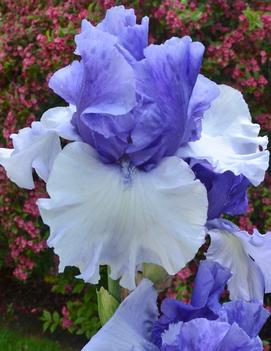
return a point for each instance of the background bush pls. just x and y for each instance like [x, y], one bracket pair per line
[36, 38]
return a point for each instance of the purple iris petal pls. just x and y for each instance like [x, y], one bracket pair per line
[174, 311]
[227, 193]
[102, 82]
[108, 134]
[202, 334]
[236, 339]
[67, 82]
[204, 92]
[250, 316]
[165, 81]
[205, 323]
[155, 92]
[209, 284]
[121, 22]
[90, 35]
[235, 328]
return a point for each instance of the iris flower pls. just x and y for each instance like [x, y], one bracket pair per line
[152, 143]
[205, 324]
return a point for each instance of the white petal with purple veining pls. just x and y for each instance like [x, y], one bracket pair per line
[229, 248]
[130, 327]
[34, 147]
[96, 218]
[259, 248]
[229, 140]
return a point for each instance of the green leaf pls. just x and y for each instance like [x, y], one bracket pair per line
[107, 305]
[253, 18]
[78, 288]
[45, 326]
[81, 311]
[80, 332]
[53, 328]
[56, 317]
[47, 316]
[72, 329]
[79, 320]
[70, 304]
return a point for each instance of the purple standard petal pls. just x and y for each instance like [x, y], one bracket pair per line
[165, 82]
[250, 316]
[102, 82]
[227, 193]
[204, 92]
[67, 82]
[89, 34]
[121, 23]
[209, 284]
[108, 134]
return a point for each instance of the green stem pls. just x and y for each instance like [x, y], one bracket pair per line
[113, 286]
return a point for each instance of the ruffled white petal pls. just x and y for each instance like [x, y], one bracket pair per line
[130, 327]
[5, 154]
[229, 140]
[229, 248]
[34, 147]
[58, 119]
[96, 218]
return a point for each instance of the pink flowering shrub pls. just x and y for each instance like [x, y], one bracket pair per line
[36, 38]
[78, 311]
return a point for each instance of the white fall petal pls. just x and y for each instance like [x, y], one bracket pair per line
[229, 140]
[130, 327]
[244, 255]
[96, 218]
[34, 147]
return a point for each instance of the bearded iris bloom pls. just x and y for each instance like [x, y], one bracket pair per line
[152, 144]
[203, 324]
